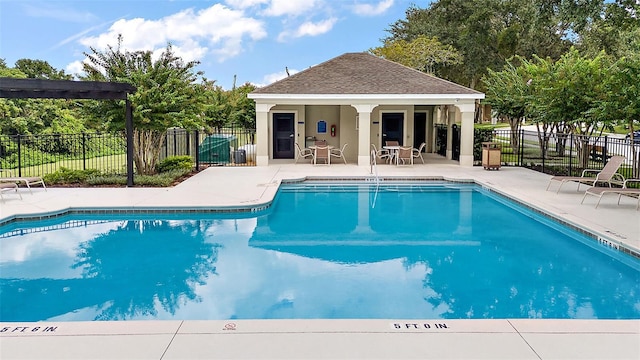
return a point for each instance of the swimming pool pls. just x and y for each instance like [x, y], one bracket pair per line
[323, 250]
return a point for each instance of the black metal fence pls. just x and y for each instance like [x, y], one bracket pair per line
[562, 154]
[38, 155]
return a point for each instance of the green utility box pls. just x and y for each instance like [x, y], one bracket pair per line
[216, 149]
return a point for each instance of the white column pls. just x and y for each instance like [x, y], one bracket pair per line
[466, 133]
[364, 132]
[262, 133]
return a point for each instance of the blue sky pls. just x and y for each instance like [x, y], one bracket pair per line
[253, 39]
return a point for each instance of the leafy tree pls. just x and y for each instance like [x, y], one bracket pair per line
[488, 32]
[564, 94]
[422, 53]
[621, 101]
[167, 96]
[507, 93]
[40, 69]
[244, 109]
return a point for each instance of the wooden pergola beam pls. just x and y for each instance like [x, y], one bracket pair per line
[12, 88]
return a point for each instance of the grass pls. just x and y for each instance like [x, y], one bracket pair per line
[110, 163]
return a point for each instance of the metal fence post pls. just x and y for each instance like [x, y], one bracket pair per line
[84, 152]
[19, 155]
[570, 154]
[197, 144]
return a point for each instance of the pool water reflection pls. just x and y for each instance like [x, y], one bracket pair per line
[321, 251]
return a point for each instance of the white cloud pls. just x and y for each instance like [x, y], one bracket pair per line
[372, 10]
[217, 29]
[290, 7]
[244, 4]
[309, 29]
[74, 68]
[273, 77]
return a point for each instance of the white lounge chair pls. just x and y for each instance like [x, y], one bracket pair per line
[8, 186]
[339, 153]
[27, 180]
[624, 190]
[608, 175]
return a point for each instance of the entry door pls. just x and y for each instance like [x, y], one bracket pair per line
[283, 135]
[392, 127]
[419, 129]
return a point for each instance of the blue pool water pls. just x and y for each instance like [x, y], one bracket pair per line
[409, 251]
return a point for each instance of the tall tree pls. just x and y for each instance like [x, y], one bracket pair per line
[40, 69]
[422, 53]
[167, 96]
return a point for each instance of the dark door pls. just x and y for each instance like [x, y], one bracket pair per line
[455, 142]
[419, 129]
[283, 135]
[392, 127]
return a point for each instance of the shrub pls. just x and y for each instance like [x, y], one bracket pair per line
[182, 163]
[68, 176]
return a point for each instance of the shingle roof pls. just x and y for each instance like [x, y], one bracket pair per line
[362, 73]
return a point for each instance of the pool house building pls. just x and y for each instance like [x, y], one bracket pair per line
[360, 99]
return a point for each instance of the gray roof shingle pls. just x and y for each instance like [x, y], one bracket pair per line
[362, 73]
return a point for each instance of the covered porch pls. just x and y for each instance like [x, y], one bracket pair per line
[359, 99]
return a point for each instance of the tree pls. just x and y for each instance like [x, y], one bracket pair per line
[40, 69]
[621, 101]
[564, 94]
[423, 53]
[488, 32]
[507, 93]
[167, 96]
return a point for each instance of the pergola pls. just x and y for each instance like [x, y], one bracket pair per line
[12, 88]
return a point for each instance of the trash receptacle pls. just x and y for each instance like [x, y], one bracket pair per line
[491, 152]
[240, 156]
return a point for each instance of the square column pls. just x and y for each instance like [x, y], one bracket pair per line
[262, 134]
[364, 132]
[466, 133]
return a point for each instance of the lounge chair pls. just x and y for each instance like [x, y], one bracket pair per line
[322, 152]
[608, 175]
[339, 153]
[417, 153]
[303, 153]
[405, 154]
[625, 190]
[27, 180]
[8, 186]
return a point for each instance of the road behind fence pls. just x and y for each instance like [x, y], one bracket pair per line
[565, 154]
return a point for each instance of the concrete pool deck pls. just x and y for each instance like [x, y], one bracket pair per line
[618, 225]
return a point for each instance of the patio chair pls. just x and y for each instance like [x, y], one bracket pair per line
[391, 143]
[608, 175]
[382, 154]
[303, 153]
[405, 154]
[27, 180]
[322, 152]
[625, 190]
[417, 153]
[8, 186]
[339, 153]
